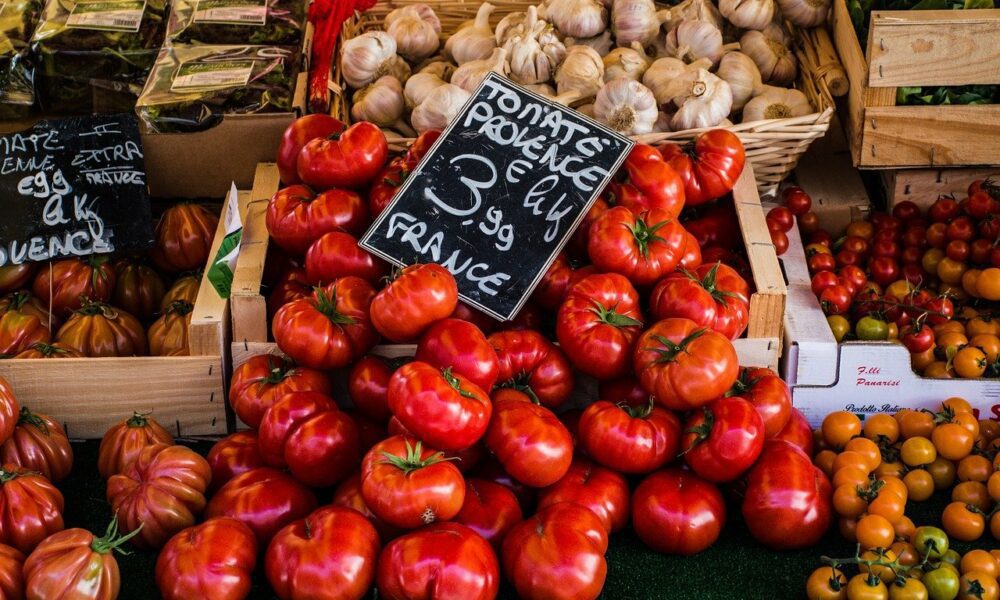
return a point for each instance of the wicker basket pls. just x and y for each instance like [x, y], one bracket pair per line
[773, 146]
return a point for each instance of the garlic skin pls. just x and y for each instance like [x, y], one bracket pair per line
[662, 124]
[512, 24]
[471, 74]
[577, 18]
[416, 30]
[474, 42]
[419, 86]
[626, 62]
[636, 21]
[439, 108]
[600, 43]
[534, 53]
[748, 14]
[542, 89]
[805, 13]
[702, 100]
[693, 40]
[381, 103]
[586, 110]
[365, 58]
[694, 10]
[777, 103]
[742, 75]
[626, 106]
[441, 68]
[776, 63]
[582, 71]
[659, 75]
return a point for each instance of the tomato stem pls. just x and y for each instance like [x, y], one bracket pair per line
[26, 417]
[670, 350]
[326, 303]
[111, 541]
[413, 461]
[609, 316]
[645, 234]
[456, 384]
[138, 419]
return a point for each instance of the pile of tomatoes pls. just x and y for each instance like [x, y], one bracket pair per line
[101, 306]
[781, 219]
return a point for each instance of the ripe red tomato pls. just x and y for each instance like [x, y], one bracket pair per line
[138, 289]
[98, 330]
[768, 394]
[906, 211]
[787, 503]
[419, 296]
[798, 432]
[184, 237]
[10, 409]
[233, 455]
[124, 441]
[68, 282]
[75, 563]
[980, 204]
[264, 379]
[11, 573]
[490, 510]
[654, 183]
[821, 262]
[558, 553]
[692, 258]
[368, 383]
[298, 134]
[939, 310]
[264, 499]
[944, 209]
[330, 554]
[533, 445]
[915, 236]
[559, 277]
[835, 300]
[17, 277]
[629, 439]
[218, 555]
[462, 347]
[598, 324]
[676, 512]
[603, 491]
[713, 296]
[162, 491]
[407, 485]
[709, 166]
[781, 217]
[797, 200]
[723, 440]
[683, 365]
[31, 508]
[854, 275]
[530, 363]
[20, 329]
[979, 251]
[961, 228]
[38, 444]
[916, 339]
[642, 246]
[296, 216]
[822, 280]
[336, 254]
[349, 159]
[439, 407]
[348, 494]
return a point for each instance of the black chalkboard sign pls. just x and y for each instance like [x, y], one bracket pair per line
[499, 194]
[73, 187]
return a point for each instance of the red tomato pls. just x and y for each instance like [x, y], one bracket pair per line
[233, 455]
[855, 275]
[298, 134]
[455, 561]
[962, 228]
[348, 494]
[782, 217]
[39, 444]
[798, 432]
[419, 296]
[709, 166]
[626, 390]
[138, 289]
[642, 246]
[836, 299]
[528, 440]
[292, 285]
[68, 282]
[780, 241]
[598, 324]
[330, 554]
[715, 224]
[787, 503]
[368, 384]
[349, 159]
[723, 440]
[392, 177]
[980, 204]
[11, 573]
[683, 365]
[822, 280]
[558, 554]
[9, 411]
[768, 394]
[821, 262]
[676, 512]
[218, 555]
[558, 278]
[439, 407]
[713, 296]
[30, 508]
[75, 563]
[577, 245]
[944, 209]
[263, 498]
[692, 257]
[265, 378]
[460, 346]
[17, 277]
[906, 211]
[490, 510]
[406, 484]
[530, 363]
[184, 237]
[917, 340]
[162, 491]
[939, 310]
[656, 184]
[296, 216]
[124, 441]
[603, 491]
[797, 200]
[337, 254]
[629, 439]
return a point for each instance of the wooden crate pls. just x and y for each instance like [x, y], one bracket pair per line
[920, 48]
[761, 346]
[923, 186]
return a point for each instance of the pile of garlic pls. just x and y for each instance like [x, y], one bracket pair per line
[638, 67]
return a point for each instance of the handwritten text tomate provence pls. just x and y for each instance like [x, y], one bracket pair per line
[499, 194]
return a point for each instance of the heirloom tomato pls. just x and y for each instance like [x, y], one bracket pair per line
[348, 494]
[598, 323]
[348, 159]
[337, 254]
[530, 442]
[329, 554]
[56, 350]
[11, 573]
[683, 365]
[264, 379]
[642, 246]
[10, 410]
[233, 455]
[676, 512]
[138, 289]
[385, 185]
[30, 508]
[98, 330]
[65, 284]
[168, 336]
[558, 279]
[723, 440]
[297, 217]
[20, 329]
[420, 295]
[162, 491]
[655, 183]
[768, 393]
[490, 510]
[217, 555]
[17, 277]
[484, 322]
[603, 491]
[713, 296]
[797, 431]
[460, 346]
[715, 225]
[531, 364]
[691, 258]
[629, 439]
[263, 498]
[302, 131]
[293, 285]
[75, 563]
[368, 384]
[185, 288]
[40, 444]
[709, 166]
[329, 330]
[125, 440]
[184, 237]
[27, 304]
[491, 469]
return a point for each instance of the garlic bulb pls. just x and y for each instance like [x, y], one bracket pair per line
[702, 100]
[694, 10]
[512, 24]
[471, 74]
[365, 58]
[748, 14]
[542, 89]
[419, 86]
[626, 62]
[692, 40]
[626, 106]
[662, 124]
[777, 31]
[578, 18]
[776, 63]
[535, 52]
[742, 75]
[581, 71]
[440, 68]
[805, 13]
[636, 21]
[474, 42]
[601, 43]
[776, 103]
[439, 108]
[416, 30]
[381, 103]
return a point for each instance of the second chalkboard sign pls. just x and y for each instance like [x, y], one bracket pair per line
[499, 194]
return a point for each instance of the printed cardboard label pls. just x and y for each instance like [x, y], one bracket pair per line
[198, 76]
[108, 15]
[231, 12]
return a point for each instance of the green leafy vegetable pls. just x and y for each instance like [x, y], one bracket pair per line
[256, 22]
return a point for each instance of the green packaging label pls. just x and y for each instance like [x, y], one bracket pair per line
[231, 12]
[201, 76]
[107, 15]
[220, 274]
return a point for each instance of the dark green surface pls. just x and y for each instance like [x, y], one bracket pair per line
[735, 568]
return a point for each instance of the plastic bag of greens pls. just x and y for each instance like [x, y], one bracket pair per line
[257, 22]
[94, 55]
[17, 22]
[191, 87]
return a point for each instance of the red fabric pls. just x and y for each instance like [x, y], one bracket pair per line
[327, 17]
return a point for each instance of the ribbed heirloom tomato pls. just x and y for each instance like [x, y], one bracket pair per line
[184, 237]
[40, 444]
[629, 439]
[168, 336]
[413, 301]
[10, 409]
[17, 277]
[462, 347]
[530, 363]
[642, 246]
[297, 216]
[264, 379]
[75, 563]
[531, 443]
[11, 573]
[652, 183]
[709, 166]
[676, 512]
[68, 282]
[713, 296]
[723, 440]
[603, 491]
[218, 555]
[233, 455]
[768, 394]
[490, 510]
[30, 508]
[336, 254]
[298, 134]
[368, 386]
[561, 275]
[138, 289]
[348, 159]
[99, 330]
[263, 498]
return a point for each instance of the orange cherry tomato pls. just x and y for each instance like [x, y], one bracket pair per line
[848, 502]
[974, 493]
[970, 362]
[894, 484]
[824, 460]
[905, 553]
[922, 360]
[875, 531]
[913, 423]
[953, 441]
[847, 458]
[904, 528]
[886, 574]
[974, 467]
[980, 560]
[988, 284]
[993, 486]
[881, 427]
[943, 472]
[920, 485]
[839, 427]
[860, 587]
[890, 469]
[967, 420]
[961, 523]
[918, 451]
[866, 448]
[938, 370]
[826, 583]
[956, 405]
[977, 585]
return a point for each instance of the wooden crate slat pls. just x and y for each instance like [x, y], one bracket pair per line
[249, 307]
[931, 136]
[923, 186]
